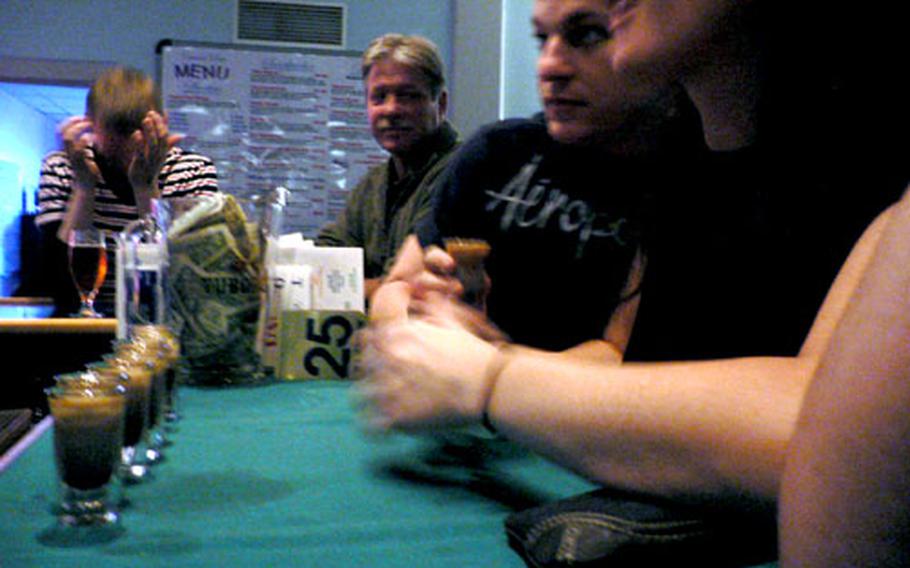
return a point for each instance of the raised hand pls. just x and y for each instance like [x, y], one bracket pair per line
[77, 136]
[150, 145]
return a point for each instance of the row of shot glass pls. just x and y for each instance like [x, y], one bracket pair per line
[112, 421]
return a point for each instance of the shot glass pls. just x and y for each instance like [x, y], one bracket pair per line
[89, 419]
[133, 468]
[469, 255]
[138, 353]
[163, 340]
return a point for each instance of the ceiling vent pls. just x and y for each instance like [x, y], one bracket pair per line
[290, 23]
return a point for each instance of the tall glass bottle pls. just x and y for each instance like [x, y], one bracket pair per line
[270, 228]
[141, 272]
[142, 305]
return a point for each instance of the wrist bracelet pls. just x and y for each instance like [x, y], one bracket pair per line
[494, 369]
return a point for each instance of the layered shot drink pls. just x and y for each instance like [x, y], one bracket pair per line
[89, 421]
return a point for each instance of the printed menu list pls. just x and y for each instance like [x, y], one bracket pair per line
[295, 119]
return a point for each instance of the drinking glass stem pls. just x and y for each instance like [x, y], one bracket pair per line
[131, 470]
[86, 507]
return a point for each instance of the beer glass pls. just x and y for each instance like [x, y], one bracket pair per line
[87, 255]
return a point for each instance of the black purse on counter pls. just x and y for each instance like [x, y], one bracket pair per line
[615, 529]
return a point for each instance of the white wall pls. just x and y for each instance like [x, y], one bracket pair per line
[519, 84]
[475, 78]
[25, 136]
[127, 32]
[495, 62]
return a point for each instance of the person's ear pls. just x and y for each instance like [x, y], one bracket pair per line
[443, 103]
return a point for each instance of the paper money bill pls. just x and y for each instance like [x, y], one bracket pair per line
[214, 284]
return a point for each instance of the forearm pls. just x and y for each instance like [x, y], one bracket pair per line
[693, 431]
[596, 350]
[143, 195]
[79, 210]
[843, 288]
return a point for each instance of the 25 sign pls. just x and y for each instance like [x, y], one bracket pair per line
[319, 345]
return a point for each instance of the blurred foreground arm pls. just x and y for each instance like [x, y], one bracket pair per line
[844, 497]
[703, 431]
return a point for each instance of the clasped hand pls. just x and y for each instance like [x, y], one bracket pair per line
[427, 371]
[425, 354]
[150, 145]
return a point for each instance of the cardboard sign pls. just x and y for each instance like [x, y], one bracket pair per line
[316, 344]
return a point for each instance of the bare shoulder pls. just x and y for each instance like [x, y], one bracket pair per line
[844, 286]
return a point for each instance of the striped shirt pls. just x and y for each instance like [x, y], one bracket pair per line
[183, 173]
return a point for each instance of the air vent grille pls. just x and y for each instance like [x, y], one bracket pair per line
[290, 23]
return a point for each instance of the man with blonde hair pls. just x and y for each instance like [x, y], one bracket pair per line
[406, 97]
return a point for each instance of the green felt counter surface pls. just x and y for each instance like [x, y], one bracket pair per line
[286, 475]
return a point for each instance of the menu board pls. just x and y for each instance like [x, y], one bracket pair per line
[268, 118]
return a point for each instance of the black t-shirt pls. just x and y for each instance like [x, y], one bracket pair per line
[562, 222]
[740, 258]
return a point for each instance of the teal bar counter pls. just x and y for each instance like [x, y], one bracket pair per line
[286, 475]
